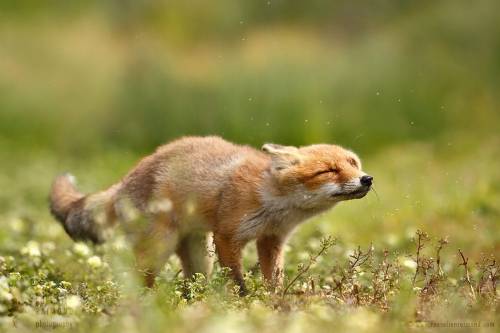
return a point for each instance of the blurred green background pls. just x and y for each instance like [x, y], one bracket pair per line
[80, 76]
[413, 87]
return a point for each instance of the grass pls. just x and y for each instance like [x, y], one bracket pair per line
[425, 251]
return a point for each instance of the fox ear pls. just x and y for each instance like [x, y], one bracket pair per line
[282, 156]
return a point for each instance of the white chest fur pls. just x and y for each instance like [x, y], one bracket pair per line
[278, 216]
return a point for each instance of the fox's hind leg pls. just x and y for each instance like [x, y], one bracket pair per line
[193, 251]
[153, 247]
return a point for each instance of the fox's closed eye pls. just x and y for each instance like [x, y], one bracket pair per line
[332, 170]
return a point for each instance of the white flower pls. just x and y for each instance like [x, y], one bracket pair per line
[62, 291]
[48, 247]
[4, 284]
[73, 302]
[15, 276]
[314, 243]
[65, 284]
[31, 249]
[126, 210]
[120, 243]
[4, 290]
[6, 296]
[160, 206]
[17, 225]
[409, 263]
[81, 249]
[392, 239]
[303, 255]
[94, 261]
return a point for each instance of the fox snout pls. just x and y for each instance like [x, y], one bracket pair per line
[366, 180]
[355, 188]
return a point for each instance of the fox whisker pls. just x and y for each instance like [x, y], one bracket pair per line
[376, 194]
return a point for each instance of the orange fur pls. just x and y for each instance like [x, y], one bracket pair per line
[199, 185]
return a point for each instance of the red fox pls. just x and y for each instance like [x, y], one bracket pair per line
[196, 187]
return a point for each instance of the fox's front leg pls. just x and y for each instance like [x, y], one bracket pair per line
[270, 251]
[229, 253]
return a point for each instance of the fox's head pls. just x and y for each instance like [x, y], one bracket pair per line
[317, 176]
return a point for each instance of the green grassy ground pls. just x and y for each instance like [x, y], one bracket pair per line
[450, 190]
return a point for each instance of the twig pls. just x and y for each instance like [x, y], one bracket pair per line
[467, 275]
[357, 259]
[420, 244]
[325, 245]
[442, 242]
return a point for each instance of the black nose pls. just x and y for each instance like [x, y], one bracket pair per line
[366, 180]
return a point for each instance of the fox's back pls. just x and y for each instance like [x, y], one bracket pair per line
[191, 170]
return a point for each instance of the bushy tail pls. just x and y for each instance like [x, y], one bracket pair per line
[63, 196]
[84, 217]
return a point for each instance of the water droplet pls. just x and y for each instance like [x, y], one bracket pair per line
[377, 93]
